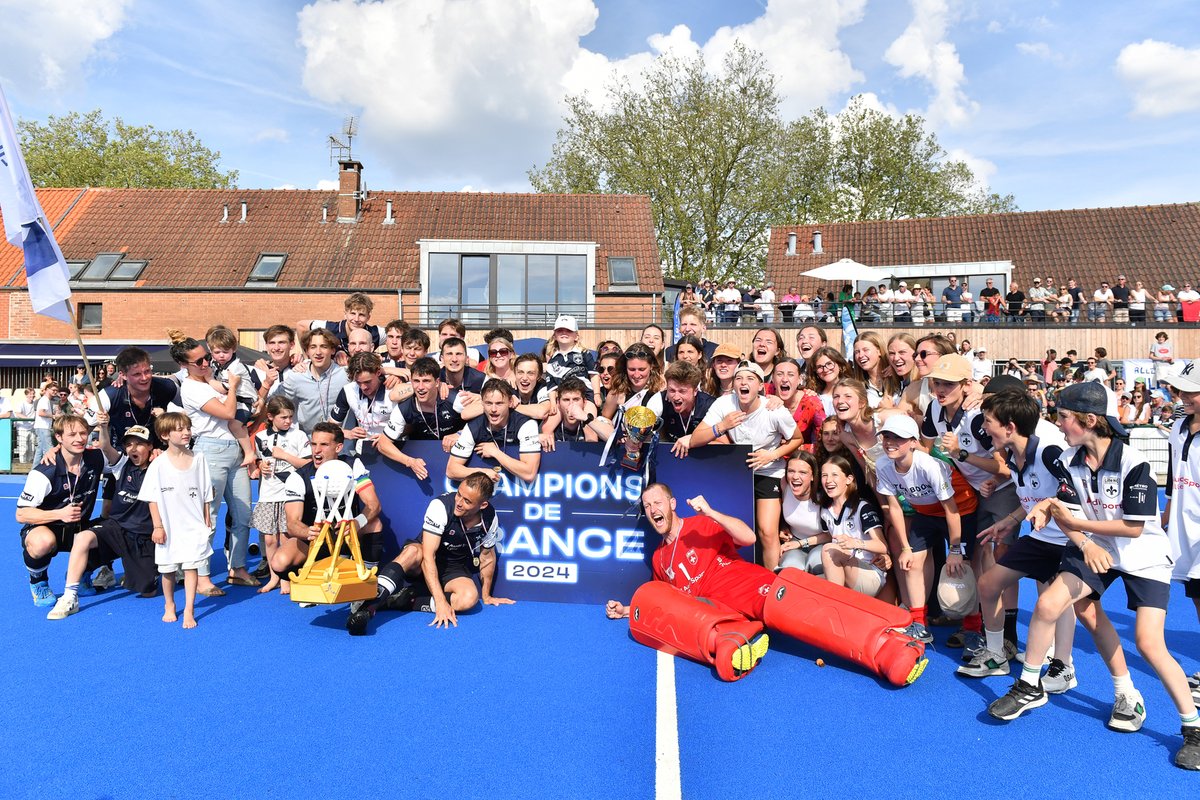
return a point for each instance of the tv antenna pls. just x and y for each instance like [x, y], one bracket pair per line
[339, 149]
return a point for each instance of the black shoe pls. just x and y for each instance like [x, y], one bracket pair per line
[1188, 756]
[399, 600]
[360, 615]
[1020, 698]
[263, 570]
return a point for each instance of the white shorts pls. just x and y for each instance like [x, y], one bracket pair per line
[171, 569]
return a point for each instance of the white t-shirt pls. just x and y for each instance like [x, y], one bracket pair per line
[182, 496]
[294, 441]
[926, 483]
[1103, 296]
[903, 300]
[1183, 491]
[766, 300]
[44, 405]
[25, 410]
[761, 429]
[1188, 296]
[193, 395]
[803, 517]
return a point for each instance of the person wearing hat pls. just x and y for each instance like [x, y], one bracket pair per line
[902, 302]
[722, 365]
[961, 435]
[981, 367]
[124, 532]
[1182, 514]
[566, 358]
[1031, 448]
[940, 502]
[1108, 510]
[743, 417]
[1162, 303]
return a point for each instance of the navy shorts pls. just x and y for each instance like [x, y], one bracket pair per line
[1033, 557]
[928, 531]
[64, 533]
[1139, 591]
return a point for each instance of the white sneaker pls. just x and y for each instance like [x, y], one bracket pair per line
[1129, 713]
[65, 607]
[1049, 655]
[1059, 678]
[105, 579]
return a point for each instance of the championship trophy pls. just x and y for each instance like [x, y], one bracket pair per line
[638, 423]
[336, 578]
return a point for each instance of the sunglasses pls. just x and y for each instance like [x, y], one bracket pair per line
[201, 361]
[500, 351]
[608, 369]
[639, 352]
[924, 354]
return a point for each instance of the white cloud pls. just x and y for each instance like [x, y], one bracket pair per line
[429, 77]
[326, 185]
[285, 186]
[68, 33]
[922, 51]
[980, 167]
[995, 26]
[271, 135]
[1163, 78]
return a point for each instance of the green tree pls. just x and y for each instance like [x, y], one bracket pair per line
[721, 166]
[88, 150]
[702, 146]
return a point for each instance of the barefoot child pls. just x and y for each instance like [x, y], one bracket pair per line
[281, 448]
[179, 490]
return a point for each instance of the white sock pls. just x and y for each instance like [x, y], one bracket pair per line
[995, 640]
[1190, 721]
[1123, 685]
[1031, 675]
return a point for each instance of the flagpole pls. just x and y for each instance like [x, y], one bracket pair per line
[87, 365]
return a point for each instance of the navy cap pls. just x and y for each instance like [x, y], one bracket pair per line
[1091, 397]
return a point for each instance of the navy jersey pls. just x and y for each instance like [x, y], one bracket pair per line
[408, 421]
[50, 487]
[571, 364]
[298, 487]
[342, 332]
[123, 413]
[472, 380]
[125, 508]
[675, 427]
[459, 544]
[968, 426]
[520, 430]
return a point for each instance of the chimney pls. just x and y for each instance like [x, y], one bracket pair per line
[389, 219]
[791, 250]
[225, 214]
[817, 242]
[243, 219]
[349, 201]
[325, 213]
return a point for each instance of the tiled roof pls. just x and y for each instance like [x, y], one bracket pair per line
[56, 203]
[181, 234]
[1154, 244]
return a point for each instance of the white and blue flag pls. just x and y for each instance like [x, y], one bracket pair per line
[849, 333]
[25, 227]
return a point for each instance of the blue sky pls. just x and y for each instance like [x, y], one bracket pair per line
[1062, 104]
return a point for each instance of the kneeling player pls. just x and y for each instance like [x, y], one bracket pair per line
[458, 541]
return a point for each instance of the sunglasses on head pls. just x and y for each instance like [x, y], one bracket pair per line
[639, 351]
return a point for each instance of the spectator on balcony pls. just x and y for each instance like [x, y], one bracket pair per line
[992, 302]
[787, 305]
[885, 302]
[1039, 295]
[1076, 299]
[1189, 304]
[1062, 306]
[708, 300]
[1015, 303]
[729, 300]
[1137, 303]
[922, 304]
[1120, 304]
[952, 300]
[1102, 304]
[766, 304]
[902, 302]
[1163, 303]
[968, 303]
[870, 310]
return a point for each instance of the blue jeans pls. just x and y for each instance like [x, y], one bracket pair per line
[231, 482]
[45, 442]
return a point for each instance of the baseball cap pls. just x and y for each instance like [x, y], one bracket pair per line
[1092, 397]
[1168, 287]
[981, 349]
[729, 351]
[138, 432]
[568, 322]
[1003, 383]
[951, 367]
[904, 283]
[752, 368]
[1186, 380]
[957, 594]
[901, 425]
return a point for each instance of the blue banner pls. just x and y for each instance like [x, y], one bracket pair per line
[575, 534]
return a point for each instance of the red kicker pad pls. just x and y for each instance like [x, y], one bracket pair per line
[845, 623]
[662, 617]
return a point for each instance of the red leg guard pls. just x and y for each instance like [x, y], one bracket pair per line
[845, 623]
[662, 617]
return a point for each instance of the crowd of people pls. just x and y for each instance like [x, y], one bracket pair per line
[1122, 302]
[898, 473]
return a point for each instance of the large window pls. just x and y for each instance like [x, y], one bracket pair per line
[507, 288]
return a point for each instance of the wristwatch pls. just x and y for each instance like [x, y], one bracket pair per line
[962, 454]
[959, 549]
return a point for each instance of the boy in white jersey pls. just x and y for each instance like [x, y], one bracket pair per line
[1181, 517]
[1109, 512]
[1011, 420]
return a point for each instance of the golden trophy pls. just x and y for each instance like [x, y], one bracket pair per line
[336, 578]
[638, 423]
